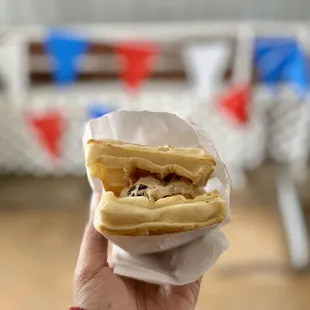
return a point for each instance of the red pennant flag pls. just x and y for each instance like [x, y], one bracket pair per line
[137, 62]
[49, 128]
[235, 103]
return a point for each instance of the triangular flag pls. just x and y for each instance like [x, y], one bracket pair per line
[95, 110]
[296, 72]
[14, 67]
[205, 65]
[137, 60]
[49, 128]
[271, 56]
[281, 60]
[235, 103]
[65, 48]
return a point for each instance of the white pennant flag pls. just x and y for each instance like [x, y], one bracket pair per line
[14, 67]
[205, 64]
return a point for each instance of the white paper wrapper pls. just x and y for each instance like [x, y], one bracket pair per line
[173, 258]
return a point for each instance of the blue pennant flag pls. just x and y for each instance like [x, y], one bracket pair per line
[95, 110]
[281, 60]
[296, 71]
[65, 48]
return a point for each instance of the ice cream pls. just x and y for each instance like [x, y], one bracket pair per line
[155, 188]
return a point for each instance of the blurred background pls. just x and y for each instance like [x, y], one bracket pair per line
[238, 70]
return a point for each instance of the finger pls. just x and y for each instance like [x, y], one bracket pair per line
[93, 245]
[189, 291]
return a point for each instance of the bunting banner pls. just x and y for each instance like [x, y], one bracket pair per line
[235, 104]
[49, 128]
[281, 60]
[136, 61]
[65, 50]
[205, 65]
[96, 109]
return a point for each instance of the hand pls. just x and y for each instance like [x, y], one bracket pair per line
[97, 288]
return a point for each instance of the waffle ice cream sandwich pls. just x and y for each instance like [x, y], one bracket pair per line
[151, 190]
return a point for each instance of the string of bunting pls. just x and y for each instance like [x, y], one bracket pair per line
[278, 60]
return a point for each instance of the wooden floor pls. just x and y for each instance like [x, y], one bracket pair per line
[41, 224]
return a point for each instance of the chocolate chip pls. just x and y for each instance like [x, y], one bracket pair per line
[171, 177]
[137, 191]
[131, 190]
[142, 186]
